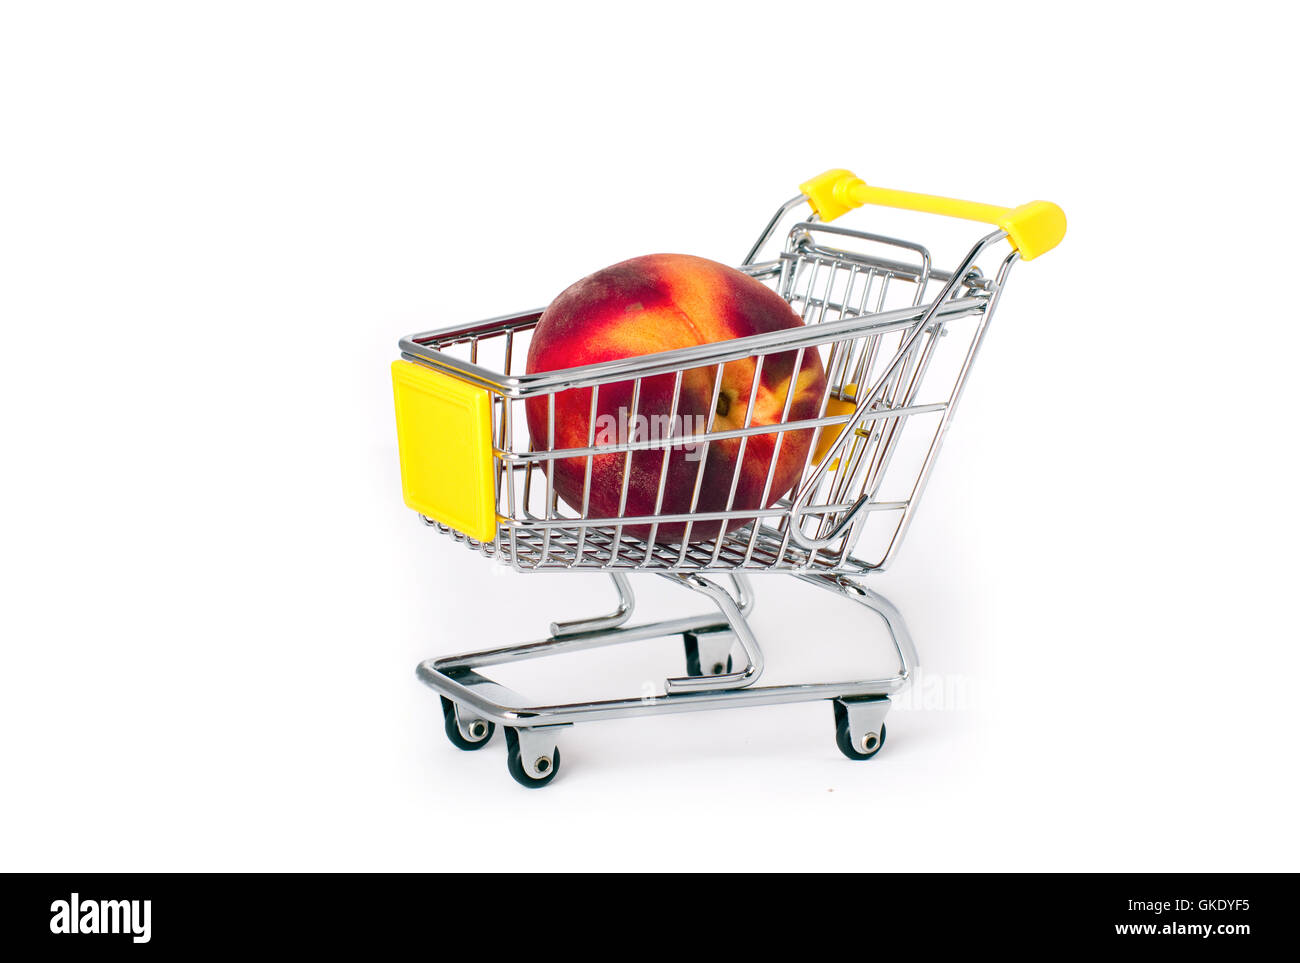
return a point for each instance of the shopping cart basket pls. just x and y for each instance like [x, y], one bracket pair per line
[896, 335]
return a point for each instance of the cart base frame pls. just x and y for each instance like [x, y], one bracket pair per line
[474, 704]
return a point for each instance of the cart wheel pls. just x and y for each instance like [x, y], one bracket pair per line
[480, 727]
[515, 764]
[844, 739]
[692, 644]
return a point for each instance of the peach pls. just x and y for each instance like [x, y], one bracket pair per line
[656, 303]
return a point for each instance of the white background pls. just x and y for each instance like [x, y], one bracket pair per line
[216, 221]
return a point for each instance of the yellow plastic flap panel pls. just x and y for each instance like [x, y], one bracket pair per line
[444, 439]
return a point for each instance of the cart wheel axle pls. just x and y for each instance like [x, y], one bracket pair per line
[541, 765]
[708, 653]
[475, 734]
[860, 727]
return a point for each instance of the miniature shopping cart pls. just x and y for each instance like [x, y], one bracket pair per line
[896, 336]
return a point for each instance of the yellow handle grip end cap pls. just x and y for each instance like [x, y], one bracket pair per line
[1034, 228]
[830, 193]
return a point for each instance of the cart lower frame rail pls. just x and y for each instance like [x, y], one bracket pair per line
[473, 704]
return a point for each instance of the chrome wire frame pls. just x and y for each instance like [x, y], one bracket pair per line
[877, 322]
[477, 697]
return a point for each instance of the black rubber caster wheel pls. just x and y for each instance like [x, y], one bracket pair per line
[845, 741]
[453, 731]
[516, 764]
[692, 644]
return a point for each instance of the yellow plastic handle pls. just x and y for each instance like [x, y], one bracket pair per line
[1033, 229]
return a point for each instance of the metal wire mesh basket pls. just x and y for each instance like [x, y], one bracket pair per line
[897, 337]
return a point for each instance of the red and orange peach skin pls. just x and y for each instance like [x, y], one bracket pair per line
[656, 303]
